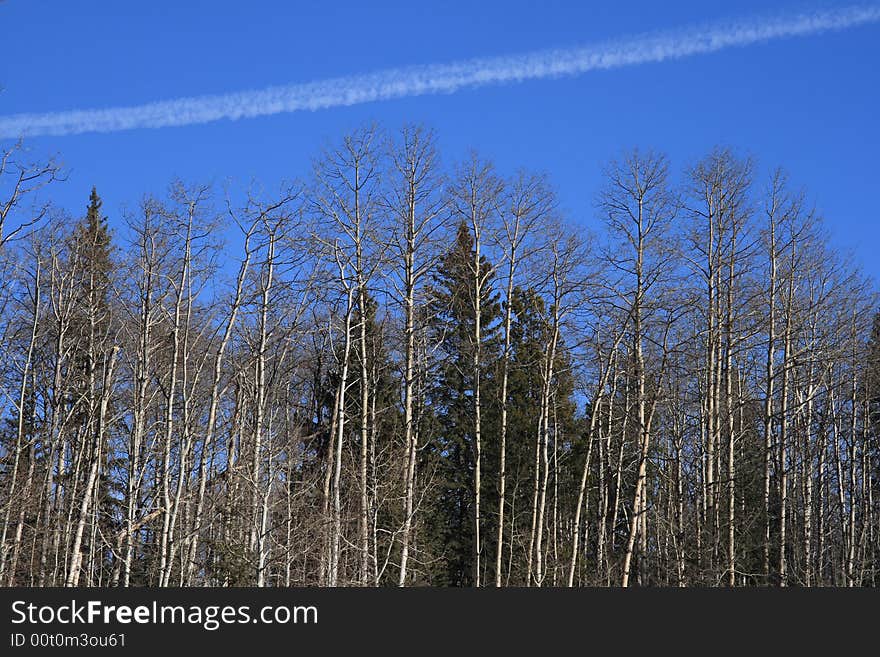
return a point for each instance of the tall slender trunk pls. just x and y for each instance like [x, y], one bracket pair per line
[165, 564]
[784, 425]
[409, 469]
[731, 427]
[505, 373]
[477, 365]
[73, 574]
[770, 378]
[258, 540]
[595, 411]
[641, 414]
[365, 439]
[20, 442]
[340, 434]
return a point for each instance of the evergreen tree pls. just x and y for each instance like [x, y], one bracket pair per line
[90, 265]
[452, 400]
[90, 362]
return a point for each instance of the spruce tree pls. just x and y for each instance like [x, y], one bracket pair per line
[90, 362]
[452, 400]
[90, 267]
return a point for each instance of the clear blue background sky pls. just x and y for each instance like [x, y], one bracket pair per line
[809, 104]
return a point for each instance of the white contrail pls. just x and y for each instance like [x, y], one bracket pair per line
[437, 78]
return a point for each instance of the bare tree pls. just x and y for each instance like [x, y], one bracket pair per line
[20, 180]
[639, 208]
[474, 201]
[416, 208]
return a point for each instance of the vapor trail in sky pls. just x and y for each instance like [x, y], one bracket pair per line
[439, 78]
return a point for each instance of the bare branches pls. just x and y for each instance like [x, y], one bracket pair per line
[400, 373]
[20, 180]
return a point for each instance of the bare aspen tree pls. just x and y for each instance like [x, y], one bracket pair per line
[638, 208]
[474, 202]
[149, 245]
[235, 306]
[179, 288]
[564, 288]
[527, 204]
[184, 215]
[275, 319]
[347, 196]
[415, 207]
[548, 294]
[62, 307]
[354, 173]
[719, 190]
[21, 438]
[774, 209]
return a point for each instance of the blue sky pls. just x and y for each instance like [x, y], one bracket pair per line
[808, 104]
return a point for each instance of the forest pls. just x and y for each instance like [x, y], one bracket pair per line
[398, 371]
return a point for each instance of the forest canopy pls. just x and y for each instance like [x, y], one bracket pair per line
[401, 372]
